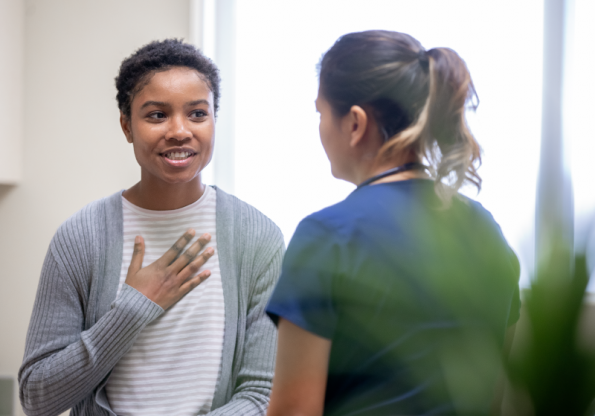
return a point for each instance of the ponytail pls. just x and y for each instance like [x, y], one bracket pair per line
[417, 98]
[440, 135]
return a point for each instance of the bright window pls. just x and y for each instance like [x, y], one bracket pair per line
[280, 165]
[578, 115]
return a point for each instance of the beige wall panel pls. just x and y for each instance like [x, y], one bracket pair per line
[74, 149]
[12, 42]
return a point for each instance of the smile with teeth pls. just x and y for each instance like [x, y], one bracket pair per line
[178, 155]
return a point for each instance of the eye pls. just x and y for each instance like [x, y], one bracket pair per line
[198, 114]
[157, 115]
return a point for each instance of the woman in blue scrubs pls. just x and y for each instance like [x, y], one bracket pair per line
[397, 299]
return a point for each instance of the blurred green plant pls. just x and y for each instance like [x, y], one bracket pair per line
[550, 370]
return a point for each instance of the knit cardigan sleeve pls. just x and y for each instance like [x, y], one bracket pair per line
[63, 362]
[256, 347]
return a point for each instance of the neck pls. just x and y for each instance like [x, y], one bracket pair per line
[374, 169]
[400, 176]
[160, 196]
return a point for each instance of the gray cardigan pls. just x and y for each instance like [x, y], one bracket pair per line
[78, 333]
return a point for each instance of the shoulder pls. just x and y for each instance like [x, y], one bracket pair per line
[87, 219]
[324, 231]
[370, 204]
[337, 222]
[236, 216]
[82, 229]
[486, 229]
[477, 214]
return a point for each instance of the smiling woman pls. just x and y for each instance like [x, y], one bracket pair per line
[127, 322]
[177, 104]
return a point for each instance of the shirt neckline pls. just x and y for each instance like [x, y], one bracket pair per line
[162, 213]
[424, 181]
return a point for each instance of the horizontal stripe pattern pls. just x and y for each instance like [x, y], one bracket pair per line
[77, 332]
[174, 365]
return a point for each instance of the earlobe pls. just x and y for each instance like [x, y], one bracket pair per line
[359, 124]
[125, 124]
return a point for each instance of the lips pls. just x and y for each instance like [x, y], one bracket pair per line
[179, 157]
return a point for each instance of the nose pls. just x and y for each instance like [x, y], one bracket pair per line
[179, 130]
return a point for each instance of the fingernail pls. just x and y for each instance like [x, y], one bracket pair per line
[137, 239]
[206, 236]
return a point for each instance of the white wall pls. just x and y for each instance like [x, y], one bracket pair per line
[74, 151]
[12, 42]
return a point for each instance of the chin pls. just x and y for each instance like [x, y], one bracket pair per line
[181, 179]
[338, 174]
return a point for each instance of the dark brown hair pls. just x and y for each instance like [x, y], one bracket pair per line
[137, 69]
[418, 99]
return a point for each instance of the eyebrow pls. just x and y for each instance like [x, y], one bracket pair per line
[162, 104]
[197, 102]
[155, 103]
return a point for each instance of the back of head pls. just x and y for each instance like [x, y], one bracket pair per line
[417, 97]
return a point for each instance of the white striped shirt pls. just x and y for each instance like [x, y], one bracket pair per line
[174, 365]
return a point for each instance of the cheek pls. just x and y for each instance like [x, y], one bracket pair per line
[324, 133]
[328, 138]
[206, 137]
[139, 146]
[147, 135]
[140, 152]
[331, 141]
[143, 147]
[210, 135]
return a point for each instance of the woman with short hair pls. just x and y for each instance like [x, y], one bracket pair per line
[396, 300]
[134, 315]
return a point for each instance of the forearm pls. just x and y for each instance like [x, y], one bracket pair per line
[250, 402]
[53, 378]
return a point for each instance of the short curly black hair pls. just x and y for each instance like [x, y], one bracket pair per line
[137, 69]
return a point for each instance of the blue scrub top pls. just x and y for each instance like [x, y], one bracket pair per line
[401, 285]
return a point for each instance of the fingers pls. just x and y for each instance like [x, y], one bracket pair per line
[190, 254]
[175, 250]
[194, 281]
[194, 266]
[138, 254]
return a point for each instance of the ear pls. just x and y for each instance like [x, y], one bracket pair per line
[125, 124]
[357, 123]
